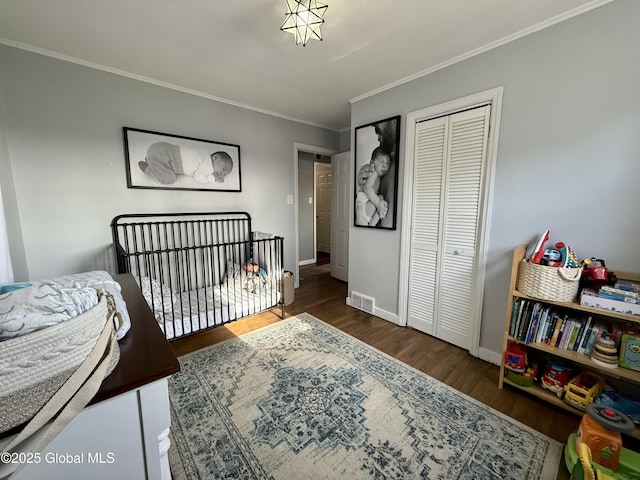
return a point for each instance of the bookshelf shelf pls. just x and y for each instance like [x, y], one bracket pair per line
[585, 360]
[582, 308]
[552, 398]
[535, 342]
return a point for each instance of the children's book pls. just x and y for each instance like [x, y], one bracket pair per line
[583, 336]
[514, 318]
[577, 325]
[542, 327]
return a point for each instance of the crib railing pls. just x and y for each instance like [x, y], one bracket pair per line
[183, 262]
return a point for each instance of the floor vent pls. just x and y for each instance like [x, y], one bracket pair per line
[362, 302]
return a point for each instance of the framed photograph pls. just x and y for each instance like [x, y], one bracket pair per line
[376, 176]
[165, 161]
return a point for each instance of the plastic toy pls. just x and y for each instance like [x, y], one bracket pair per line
[630, 351]
[604, 352]
[515, 358]
[538, 250]
[596, 450]
[567, 256]
[526, 378]
[596, 274]
[583, 389]
[626, 403]
[551, 258]
[555, 377]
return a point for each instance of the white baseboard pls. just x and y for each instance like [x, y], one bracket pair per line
[390, 317]
[311, 261]
[378, 312]
[483, 354]
[489, 356]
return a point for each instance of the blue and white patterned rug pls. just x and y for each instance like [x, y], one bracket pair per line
[301, 399]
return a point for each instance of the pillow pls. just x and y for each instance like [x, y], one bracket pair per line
[157, 295]
[266, 252]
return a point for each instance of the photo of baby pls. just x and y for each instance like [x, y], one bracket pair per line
[376, 182]
[156, 160]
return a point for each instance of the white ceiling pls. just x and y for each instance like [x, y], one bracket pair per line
[234, 51]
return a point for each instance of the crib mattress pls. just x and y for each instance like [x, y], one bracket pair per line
[206, 307]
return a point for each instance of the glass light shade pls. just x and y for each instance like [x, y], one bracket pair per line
[304, 19]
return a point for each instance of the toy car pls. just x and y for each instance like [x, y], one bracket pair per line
[583, 389]
[515, 358]
[555, 377]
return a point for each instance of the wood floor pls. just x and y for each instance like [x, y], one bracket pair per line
[324, 298]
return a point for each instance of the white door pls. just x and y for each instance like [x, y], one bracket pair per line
[323, 207]
[448, 170]
[340, 217]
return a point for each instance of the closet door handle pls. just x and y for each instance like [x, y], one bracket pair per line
[457, 251]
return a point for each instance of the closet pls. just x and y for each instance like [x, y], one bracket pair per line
[447, 187]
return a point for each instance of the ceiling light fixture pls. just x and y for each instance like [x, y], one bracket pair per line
[304, 19]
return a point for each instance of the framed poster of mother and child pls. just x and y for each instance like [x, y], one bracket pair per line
[376, 174]
[164, 161]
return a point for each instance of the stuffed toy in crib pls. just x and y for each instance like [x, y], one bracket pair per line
[257, 279]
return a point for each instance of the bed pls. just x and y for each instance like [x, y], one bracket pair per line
[200, 270]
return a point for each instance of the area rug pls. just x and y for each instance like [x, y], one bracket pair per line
[301, 399]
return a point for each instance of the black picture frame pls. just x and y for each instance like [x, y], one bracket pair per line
[174, 162]
[383, 138]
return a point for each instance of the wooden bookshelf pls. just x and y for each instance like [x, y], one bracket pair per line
[580, 361]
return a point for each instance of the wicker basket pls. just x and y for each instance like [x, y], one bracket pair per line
[557, 284]
[33, 367]
[288, 292]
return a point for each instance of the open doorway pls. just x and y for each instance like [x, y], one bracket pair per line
[314, 214]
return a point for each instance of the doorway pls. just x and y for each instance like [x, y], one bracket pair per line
[312, 207]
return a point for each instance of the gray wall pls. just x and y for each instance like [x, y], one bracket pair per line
[63, 170]
[345, 141]
[568, 156]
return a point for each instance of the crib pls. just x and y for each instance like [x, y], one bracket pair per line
[200, 270]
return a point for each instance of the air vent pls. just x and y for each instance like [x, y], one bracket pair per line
[362, 302]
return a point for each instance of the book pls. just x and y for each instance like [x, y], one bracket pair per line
[523, 304]
[556, 330]
[533, 324]
[557, 333]
[598, 327]
[551, 325]
[563, 332]
[617, 296]
[543, 325]
[627, 286]
[514, 318]
[577, 325]
[571, 325]
[620, 291]
[583, 336]
[526, 316]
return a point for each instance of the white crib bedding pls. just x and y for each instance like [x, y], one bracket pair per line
[205, 307]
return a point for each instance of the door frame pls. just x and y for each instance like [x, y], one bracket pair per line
[297, 148]
[494, 98]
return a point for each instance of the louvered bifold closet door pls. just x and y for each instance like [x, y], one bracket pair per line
[428, 171]
[468, 140]
[448, 173]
